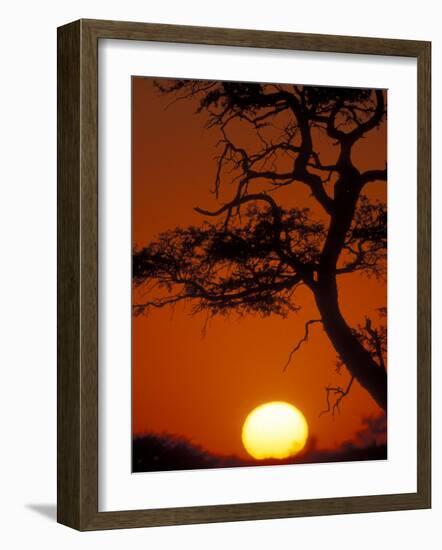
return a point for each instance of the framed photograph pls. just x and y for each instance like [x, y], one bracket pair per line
[244, 275]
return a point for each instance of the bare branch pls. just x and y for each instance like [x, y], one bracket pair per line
[238, 200]
[302, 341]
[373, 175]
[340, 392]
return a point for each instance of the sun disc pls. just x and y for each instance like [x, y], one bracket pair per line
[274, 430]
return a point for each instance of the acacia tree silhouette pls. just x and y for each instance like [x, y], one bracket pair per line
[257, 252]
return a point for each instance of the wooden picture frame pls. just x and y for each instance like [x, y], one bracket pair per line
[78, 274]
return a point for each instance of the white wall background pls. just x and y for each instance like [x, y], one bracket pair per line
[28, 276]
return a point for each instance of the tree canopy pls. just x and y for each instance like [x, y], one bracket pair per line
[252, 253]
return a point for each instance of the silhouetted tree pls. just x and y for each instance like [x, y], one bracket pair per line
[257, 252]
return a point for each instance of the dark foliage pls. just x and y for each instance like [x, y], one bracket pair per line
[154, 453]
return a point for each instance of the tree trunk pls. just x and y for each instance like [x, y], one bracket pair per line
[356, 358]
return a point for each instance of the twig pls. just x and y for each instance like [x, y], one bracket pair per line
[337, 390]
[303, 339]
[377, 343]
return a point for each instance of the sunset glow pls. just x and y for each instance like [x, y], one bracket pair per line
[228, 326]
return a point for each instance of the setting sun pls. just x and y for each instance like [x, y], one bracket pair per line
[274, 430]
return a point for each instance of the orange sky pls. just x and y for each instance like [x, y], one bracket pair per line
[204, 387]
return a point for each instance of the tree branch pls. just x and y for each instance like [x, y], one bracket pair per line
[302, 341]
[373, 175]
[337, 390]
[372, 122]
